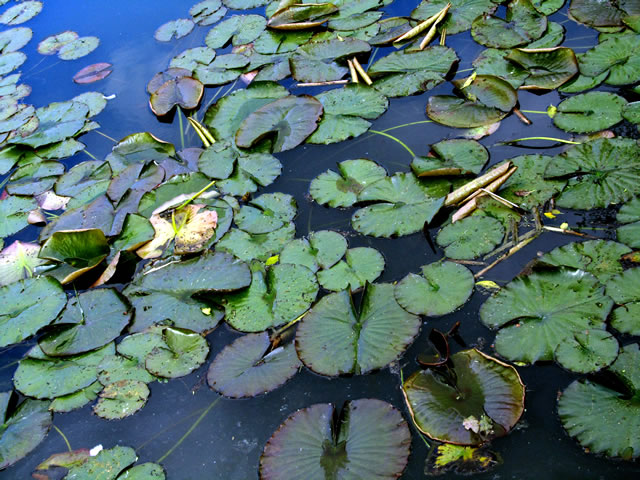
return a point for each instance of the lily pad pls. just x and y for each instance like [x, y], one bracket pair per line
[553, 37]
[266, 213]
[144, 471]
[121, 399]
[461, 14]
[494, 62]
[334, 338]
[185, 62]
[360, 266]
[624, 290]
[470, 237]
[259, 246]
[527, 187]
[174, 29]
[93, 73]
[23, 12]
[629, 214]
[14, 39]
[548, 68]
[223, 69]
[53, 43]
[247, 368]
[588, 351]
[452, 157]
[97, 214]
[75, 400]
[604, 420]
[90, 320]
[479, 399]
[404, 205]
[371, 436]
[582, 83]
[271, 41]
[301, 16]
[461, 460]
[442, 288]
[207, 12]
[183, 352]
[316, 61]
[239, 29]
[78, 48]
[597, 13]
[618, 56]
[184, 91]
[84, 182]
[23, 428]
[547, 7]
[600, 258]
[522, 24]
[139, 147]
[458, 112]
[14, 211]
[115, 368]
[538, 312]
[106, 465]
[244, 4]
[18, 261]
[10, 61]
[322, 249]
[489, 91]
[277, 295]
[600, 172]
[589, 112]
[342, 189]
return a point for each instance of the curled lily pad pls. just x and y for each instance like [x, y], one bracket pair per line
[121, 399]
[618, 56]
[452, 157]
[78, 48]
[442, 288]
[523, 24]
[178, 28]
[53, 43]
[361, 265]
[588, 351]
[18, 261]
[589, 112]
[322, 249]
[601, 172]
[342, 189]
[184, 91]
[624, 288]
[461, 14]
[461, 113]
[547, 68]
[14, 39]
[527, 186]
[277, 295]
[470, 237]
[21, 13]
[371, 436]
[139, 147]
[629, 215]
[240, 29]
[334, 338]
[600, 418]
[247, 368]
[23, 428]
[538, 312]
[106, 465]
[480, 398]
[182, 353]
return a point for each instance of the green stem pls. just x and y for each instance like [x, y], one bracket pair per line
[188, 432]
[181, 127]
[370, 62]
[542, 112]
[407, 125]
[63, 437]
[105, 136]
[196, 195]
[395, 140]
[552, 139]
[90, 154]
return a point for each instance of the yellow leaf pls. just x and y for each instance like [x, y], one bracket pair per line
[564, 226]
[549, 215]
[488, 284]
[272, 260]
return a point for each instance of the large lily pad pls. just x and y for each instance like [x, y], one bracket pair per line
[360, 266]
[247, 368]
[478, 399]
[178, 28]
[601, 172]
[239, 29]
[334, 338]
[625, 291]
[316, 61]
[121, 399]
[183, 351]
[470, 237]
[538, 312]
[618, 56]
[371, 436]
[442, 288]
[629, 214]
[461, 14]
[461, 113]
[589, 112]
[597, 13]
[23, 428]
[523, 24]
[587, 352]
[527, 186]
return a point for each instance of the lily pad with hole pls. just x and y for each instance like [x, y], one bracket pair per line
[207, 12]
[404, 73]
[629, 216]
[461, 14]
[587, 352]
[442, 288]
[121, 399]
[624, 289]
[335, 338]
[78, 48]
[547, 68]
[14, 39]
[89, 321]
[247, 368]
[317, 61]
[458, 112]
[602, 419]
[403, 205]
[53, 43]
[589, 112]
[18, 261]
[599, 172]
[361, 265]
[522, 24]
[41, 376]
[470, 237]
[322, 249]
[618, 56]
[185, 92]
[341, 189]
[182, 353]
[452, 157]
[174, 29]
[23, 429]
[370, 436]
[480, 398]
[266, 213]
[527, 187]
[106, 465]
[27, 306]
[538, 312]
[23, 12]
[259, 246]
[14, 211]
[238, 29]
[601, 258]
[169, 294]
[277, 295]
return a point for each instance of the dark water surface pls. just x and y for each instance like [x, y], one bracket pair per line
[228, 441]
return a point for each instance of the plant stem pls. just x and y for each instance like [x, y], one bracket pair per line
[406, 125]
[64, 437]
[373, 56]
[541, 112]
[196, 195]
[552, 139]
[377, 132]
[181, 127]
[519, 246]
[90, 154]
[106, 136]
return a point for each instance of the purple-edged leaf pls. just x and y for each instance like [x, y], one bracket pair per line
[184, 91]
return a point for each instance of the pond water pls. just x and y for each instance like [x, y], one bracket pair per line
[188, 428]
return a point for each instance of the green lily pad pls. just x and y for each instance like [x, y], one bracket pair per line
[247, 368]
[631, 112]
[599, 14]
[172, 192]
[244, 4]
[404, 205]
[370, 436]
[224, 69]
[461, 460]
[144, 471]
[522, 24]
[442, 288]
[183, 352]
[23, 428]
[624, 288]
[18, 261]
[207, 12]
[362, 265]
[589, 112]
[78, 48]
[136, 231]
[629, 214]
[291, 119]
[601, 258]
[97, 214]
[239, 29]
[604, 420]
[618, 56]
[14, 211]
[461, 14]
[260, 246]
[494, 62]
[41, 376]
[137, 346]
[538, 312]
[277, 295]
[299, 16]
[121, 399]
[14, 39]
[342, 189]
[84, 182]
[10, 61]
[600, 172]
[489, 91]
[136, 148]
[553, 37]
[27, 306]
[527, 187]
[90, 320]
[183, 64]
[452, 157]
[355, 22]
[184, 91]
[34, 178]
[470, 237]
[582, 83]
[174, 29]
[272, 41]
[346, 111]
[588, 351]
[266, 213]
[548, 68]
[75, 400]
[405, 73]
[492, 403]
[115, 368]
[106, 465]
[547, 7]
[316, 61]
[167, 294]
[457, 112]
[334, 338]
[53, 43]
[322, 249]
[21, 13]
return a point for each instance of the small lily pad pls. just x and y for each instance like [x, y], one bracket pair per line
[361, 265]
[470, 237]
[93, 73]
[589, 112]
[489, 91]
[14, 39]
[121, 399]
[78, 48]
[624, 289]
[207, 12]
[239, 29]
[184, 91]
[322, 249]
[458, 112]
[23, 12]
[183, 352]
[53, 43]
[106, 465]
[266, 213]
[174, 29]
[588, 351]
[14, 211]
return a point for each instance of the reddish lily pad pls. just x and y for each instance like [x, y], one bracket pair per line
[93, 73]
[184, 91]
